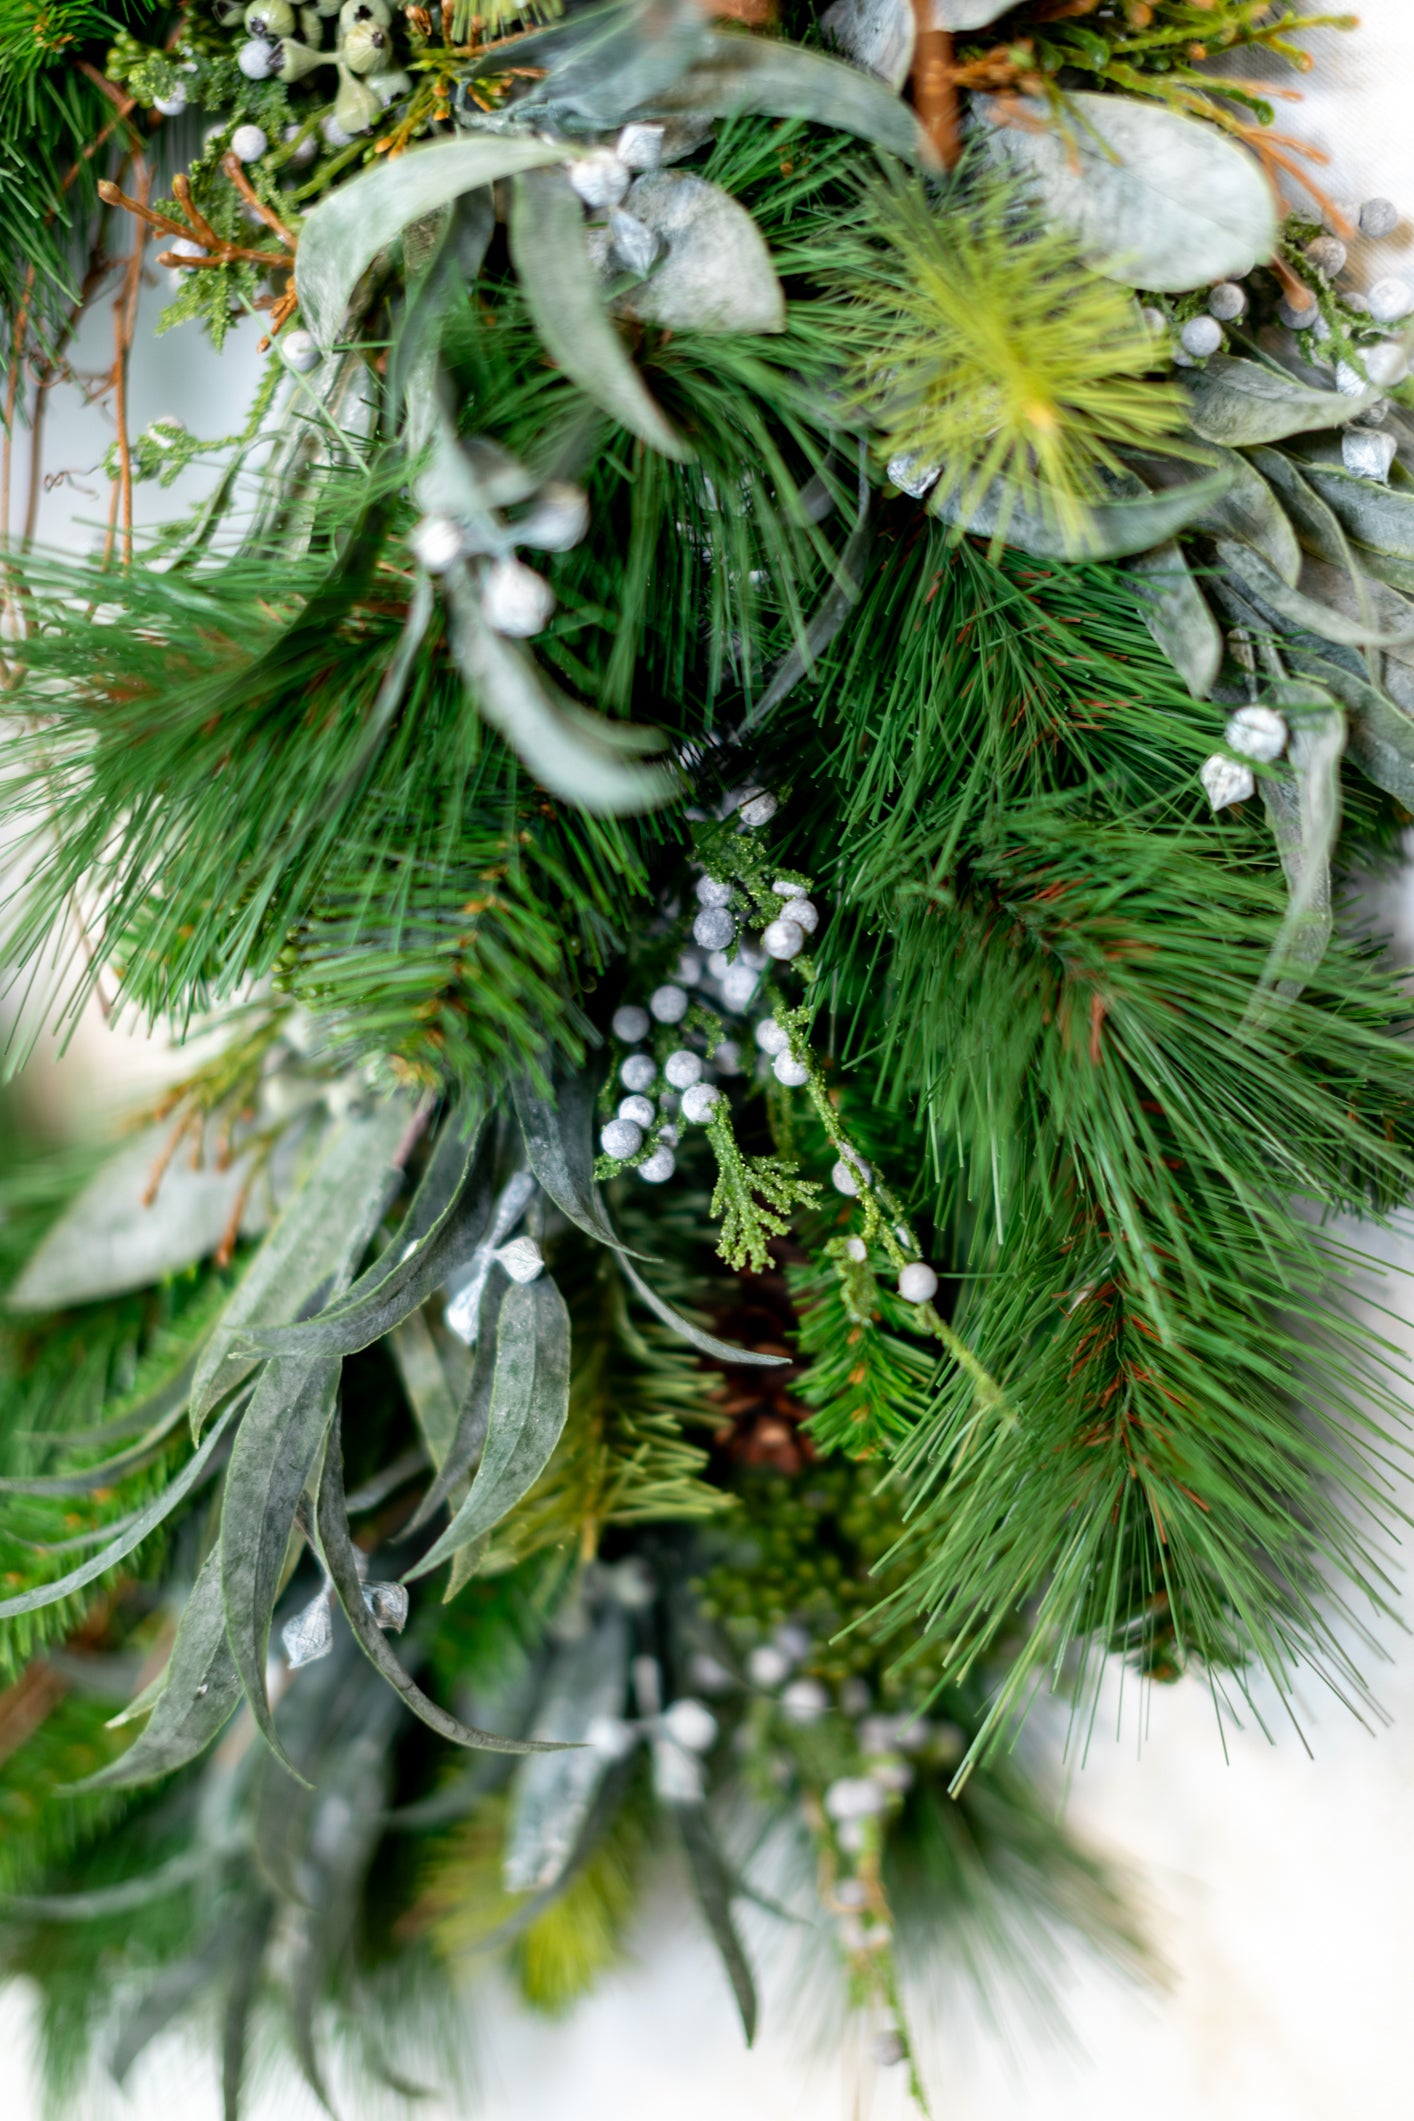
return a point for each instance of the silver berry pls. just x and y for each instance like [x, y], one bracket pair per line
[739, 984]
[757, 810]
[1201, 336]
[639, 1070]
[515, 600]
[1379, 218]
[1390, 300]
[621, 1138]
[256, 60]
[1328, 254]
[683, 1068]
[713, 928]
[1257, 733]
[770, 1037]
[436, 543]
[918, 1284]
[698, 1103]
[803, 912]
[857, 1250]
[629, 1023]
[248, 143]
[1227, 301]
[783, 939]
[637, 1110]
[793, 1073]
[658, 1167]
[668, 1004]
[299, 351]
[711, 893]
[726, 1057]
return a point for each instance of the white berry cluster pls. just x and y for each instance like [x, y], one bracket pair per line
[515, 600]
[287, 45]
[1258, 735]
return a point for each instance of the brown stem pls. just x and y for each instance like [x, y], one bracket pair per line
[125, 330]
[237, 175]
[935, 86]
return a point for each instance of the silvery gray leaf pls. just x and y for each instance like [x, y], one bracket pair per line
[121, 1233]
[1250, 511]
[310, 1635]
[717, 275]
[552, 1792]
[739, 76]
[1110, 530]
[1177, 616]
[1243, 403]
[1155, 200]
[388, 1603]
[878, 35]
[344, 234]
[1379, 516]
[600, 178]
[1305, 818]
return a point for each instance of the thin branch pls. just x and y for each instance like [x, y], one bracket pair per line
[125, 328]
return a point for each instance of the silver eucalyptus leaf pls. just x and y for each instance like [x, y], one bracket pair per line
[1243, 403]
[717, 274]
[878, 35]
[1155, 199]
[1178, 617]
[552, 1792]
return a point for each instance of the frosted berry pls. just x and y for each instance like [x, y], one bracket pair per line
[1390, 300]
[299, 351]
[793, 1073]
[248, 143]
[637, 1110]
[918, 1284]
[659, 1166]
[668, 1004]
[256, 61]
[683, 1068]
[515, 600]
[436, 543]
[1328, 254]
[638, 1071]
[739, 984]
[629, 1023]
[726, 1057]
[621, 1138]
[1227, 301]
[1379, 218]
[699, 1101]
[691, 1724]
[770, 1037]
[713, 928]
[855, 1247]
[804, 912]
[1201, 336]
[711, 893]
[783, 939]
[758, 810]
[1258, 733]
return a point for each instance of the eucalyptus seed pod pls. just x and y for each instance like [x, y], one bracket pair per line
[356, 107]
[293, 60]
[270, 19]
[366, 49]
[354, 13]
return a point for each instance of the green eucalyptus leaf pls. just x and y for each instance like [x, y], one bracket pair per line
[168, 1997]
[1155, 199]
[717, 273]
[468, 1436]
[878, 35]
[1178, 617]
[345, 232]
[135, 1530]
[697, 1337]
[277, 1448]
[342, 1563]
[201, 1689]
[1241, 403]
[553, 1794]
[558, 1132]
[125, 1898]
[715, 1887]
[530, 1399]
[424, 1380]
[1111, 530]
[573, 754]
[606, 62]
[1299, 610]
[123, 1233]
[1304, 812]
[1317, 526]
[1250, 510]
[561, 289]
[1371, 606]
[741, 76]
[1378, 516]
[317, 1241]
[1381, 732]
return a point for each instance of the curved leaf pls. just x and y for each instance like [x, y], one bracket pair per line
[1113, 529]
[743, 76]
[530, 1398]
[561, 289]
[1240, 403]
[469, 1436]
[276, 1449]
[1303, 611]
[1305, 819]
[552, 1795]
[1378, 516]
[345, 232]
[558, 1132]
[1250, 510]
[121, 1899]
[201, 1689]
[706, 1343]
[342, 1563]
[1155, 199]
[717, 274]
[135, 1530]
[1177, 616]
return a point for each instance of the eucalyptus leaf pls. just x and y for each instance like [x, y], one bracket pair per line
[1317, 526]
[1378, 516]
[168, 1995]
[829, 615]
[1155, 199]
[605, 63]
[558, 1131]
[200, 1691]
[316, 1242]
[1304, 812]
[1370, 605]
[715, 1887]
[124, 1898]
[424, 1381]
[341, 1560]
[135, 1530]
[472, 1418]
[744, 76]
[1177, 616]
[126, 1231]
[573, 754]
[1241, 403]
[144, 1452]
[706, 1343]
[277, 1447]
[1111, 530]
[717, 275]
[561, 289]
[1251, 511]
[1381, 732]
[345, 232]
[530, 1397]
[553, 1794]
[1302, 611]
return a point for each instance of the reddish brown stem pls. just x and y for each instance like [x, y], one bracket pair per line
[935, 85]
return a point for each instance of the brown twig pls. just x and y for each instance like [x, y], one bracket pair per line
[935, 85]
[125, 330]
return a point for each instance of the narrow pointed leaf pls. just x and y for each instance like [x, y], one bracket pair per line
[1305, 817]
[135, 1530]
[697, 1336]
[345, 232]
[713, 1884]
[276, 1449]
[558, 1131]
[561, 289]
[1110, 530]
[1378, 516]
[1381, 731]
[1176, 614]
[530, 1398]
[201, 1689]
[317, 1241]
[107, 1900]
[425, 1383]
[1303, 611]
[473, 1417]
[168, 1997]
[107, 1470]
[342, 1563]
[1250, 511]
[553, 1794]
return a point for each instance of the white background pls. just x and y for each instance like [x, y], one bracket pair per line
[1279, 1887]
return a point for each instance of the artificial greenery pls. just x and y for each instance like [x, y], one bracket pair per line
[758, 753]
